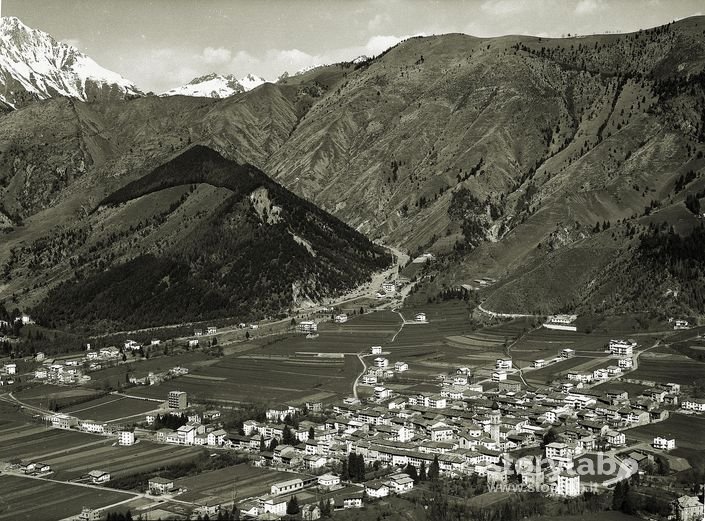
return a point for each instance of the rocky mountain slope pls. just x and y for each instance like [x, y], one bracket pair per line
[216, 86]
[34, 66]
[548, 164]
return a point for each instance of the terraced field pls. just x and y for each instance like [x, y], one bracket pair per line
[547, 343]
[39, 500]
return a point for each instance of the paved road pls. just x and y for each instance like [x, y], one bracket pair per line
[361, 356]
[503, 315]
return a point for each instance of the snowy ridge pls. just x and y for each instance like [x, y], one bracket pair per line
[35, 66]
[216, 86]
[308, 68]
[250, 82]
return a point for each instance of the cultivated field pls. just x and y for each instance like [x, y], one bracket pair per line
[686, 429]
[111, 408]
[140, 367]
[40, 500]
[241, 482]
[40, 395]
[72, 454]
[262, 378]
[547, 343]
[662, 366]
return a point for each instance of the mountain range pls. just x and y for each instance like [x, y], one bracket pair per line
[34, 66]
[569, 169]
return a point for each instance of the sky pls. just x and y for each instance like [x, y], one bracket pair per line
[161, 44]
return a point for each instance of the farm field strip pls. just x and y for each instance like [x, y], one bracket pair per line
[687, 429]
[69, 454]
[58, 500]
[118, 408]
[20, 432]
[103, 400]
[50, 438]
[246, 480]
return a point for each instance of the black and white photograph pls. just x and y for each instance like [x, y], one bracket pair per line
[352, 260]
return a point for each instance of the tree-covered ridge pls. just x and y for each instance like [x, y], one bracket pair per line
[233, 263]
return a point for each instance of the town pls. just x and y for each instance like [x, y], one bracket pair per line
[583, 431]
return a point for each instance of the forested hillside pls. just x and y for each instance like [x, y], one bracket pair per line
[251, 251]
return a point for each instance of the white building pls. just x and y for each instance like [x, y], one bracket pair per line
[274, 505]
[400, 367]
[131, 345]
[499, 376]
[560, 453]
[126, 438]
[420, 317]
[538, 364]
[568, 484]
[369, 379]
[98, 476]
[382, 393]
[11, 368]
[381, 362]
[376, 350]
[503, 363]
[622, 348]
[376, 489]
[92, 426]
[694, 404]
[400, 483]
[681, 324]
[664, 443]
[25, 319]
[625, 363]
[307, 326]
[328, 481]
[287, 487]
[561, 322]
[567, 353]
[341, 318]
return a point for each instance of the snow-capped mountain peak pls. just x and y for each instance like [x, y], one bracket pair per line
[216, 86]
[251, 81]
[33, 65]
[209, 86]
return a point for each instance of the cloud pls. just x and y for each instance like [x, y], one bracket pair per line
[216, 56]
[378, 22]
[506, 7]
[589, 6]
